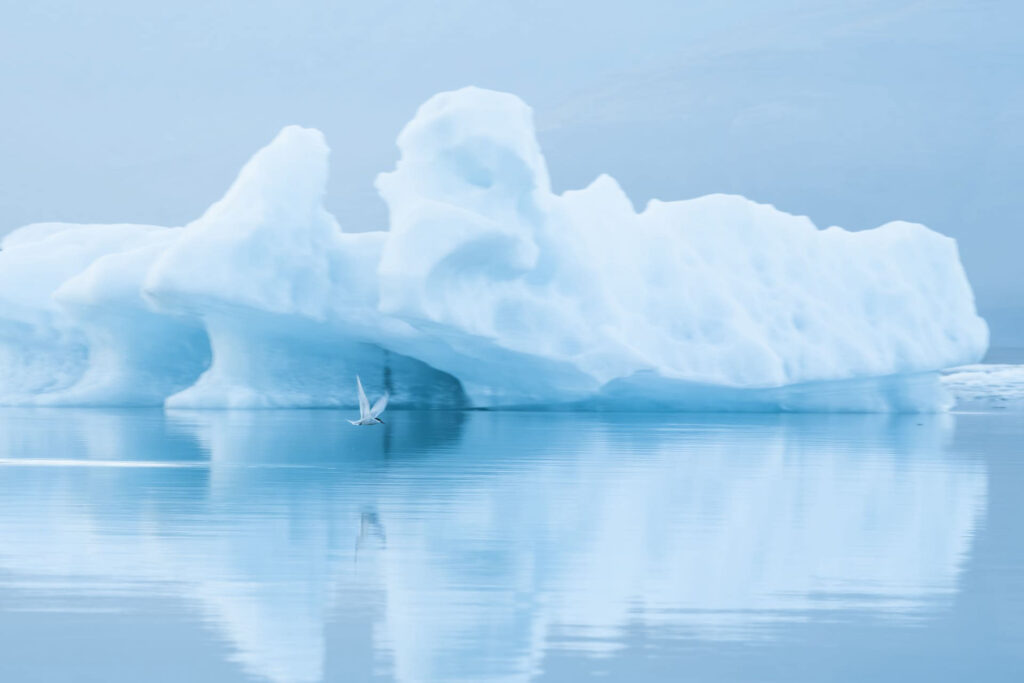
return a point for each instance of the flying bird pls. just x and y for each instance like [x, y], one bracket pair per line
[368, 415]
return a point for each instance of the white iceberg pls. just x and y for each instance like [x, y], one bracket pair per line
[488, 289]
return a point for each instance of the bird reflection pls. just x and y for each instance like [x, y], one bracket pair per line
[370, 529]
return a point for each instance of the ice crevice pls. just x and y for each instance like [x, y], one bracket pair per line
[487, 289]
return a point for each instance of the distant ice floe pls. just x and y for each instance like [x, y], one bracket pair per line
[987, 387]
[487, 289]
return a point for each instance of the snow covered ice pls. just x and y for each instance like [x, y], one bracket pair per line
[487, 289]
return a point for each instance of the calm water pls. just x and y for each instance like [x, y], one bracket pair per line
[292, 547]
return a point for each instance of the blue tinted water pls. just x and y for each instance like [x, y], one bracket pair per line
[293, 547]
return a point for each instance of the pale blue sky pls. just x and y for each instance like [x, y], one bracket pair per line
[854, 112]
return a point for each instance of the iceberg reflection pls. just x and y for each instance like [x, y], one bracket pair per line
[486, 540]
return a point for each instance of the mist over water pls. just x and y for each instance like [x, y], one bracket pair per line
[288, 546]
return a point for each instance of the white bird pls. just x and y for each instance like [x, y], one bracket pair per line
[368, 415]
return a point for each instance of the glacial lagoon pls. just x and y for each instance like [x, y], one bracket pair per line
[291, 547]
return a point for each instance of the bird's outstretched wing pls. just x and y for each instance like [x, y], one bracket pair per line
[379, 406]
[364, 403]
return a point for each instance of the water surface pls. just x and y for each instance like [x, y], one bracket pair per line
[292, 547]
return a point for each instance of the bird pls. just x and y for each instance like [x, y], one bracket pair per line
[368, 415]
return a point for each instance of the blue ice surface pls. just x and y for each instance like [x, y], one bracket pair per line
[289, 546]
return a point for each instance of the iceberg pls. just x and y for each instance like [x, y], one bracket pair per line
[487, 289]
